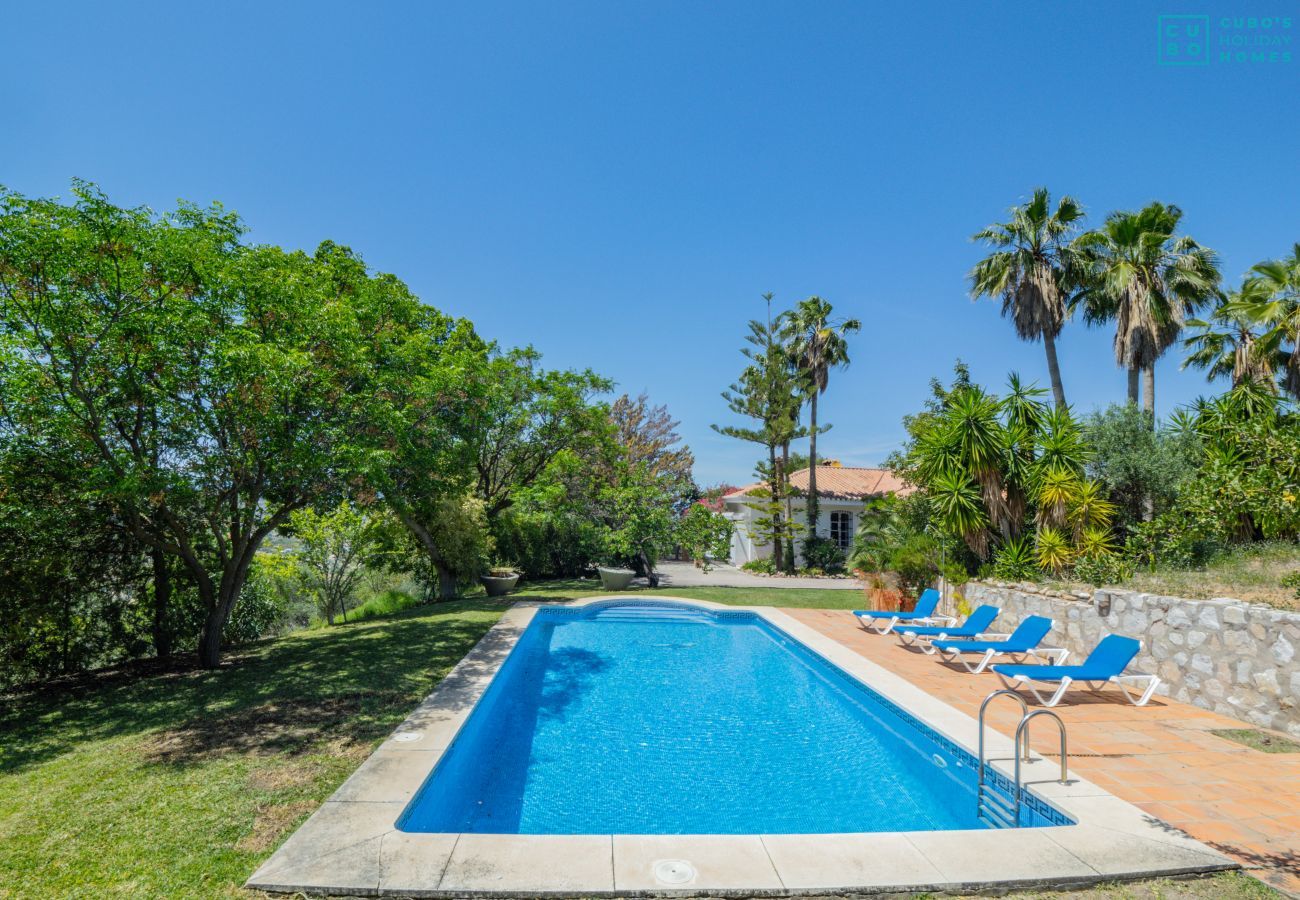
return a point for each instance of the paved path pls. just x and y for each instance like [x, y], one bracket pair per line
[684, 574]
[1160, 757]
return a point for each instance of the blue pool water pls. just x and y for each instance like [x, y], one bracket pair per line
[662, 720]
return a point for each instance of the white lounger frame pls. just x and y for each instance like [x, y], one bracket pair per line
[925, 642]
[1150, 682]
[1054, 656]
[872, 623]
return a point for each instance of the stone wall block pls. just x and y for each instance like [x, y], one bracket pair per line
[1239, 659]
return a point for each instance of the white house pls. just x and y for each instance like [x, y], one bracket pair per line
[843, 492]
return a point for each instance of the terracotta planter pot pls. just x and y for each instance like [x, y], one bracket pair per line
[499, 585]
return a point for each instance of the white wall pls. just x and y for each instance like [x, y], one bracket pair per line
[745, 547]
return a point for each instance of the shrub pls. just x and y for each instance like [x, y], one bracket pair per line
[1292, 580]
[704, 533]
[258, 611]
[823, 553]
[760, 566]
[1103, 570]
[546, 545]
[384, 604]
[1016, 561]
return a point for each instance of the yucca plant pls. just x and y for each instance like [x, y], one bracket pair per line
[1052, 550]
[1090, 510]
[957, 507]
[1096, 542]
[1057, 490]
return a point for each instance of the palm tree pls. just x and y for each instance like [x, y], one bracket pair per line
[1228, 343]
[1272, 299]
[817, 345]
[1136, 271]
[1027, 272]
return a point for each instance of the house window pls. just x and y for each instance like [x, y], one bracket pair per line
[842, 529]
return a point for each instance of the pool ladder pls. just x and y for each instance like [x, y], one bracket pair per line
[993, 806]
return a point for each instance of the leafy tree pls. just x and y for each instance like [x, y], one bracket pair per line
[422, 401]
[638, 510]
[1246, 486]
[1137, 272]
[1138, 461]
[1028, 272]
[208, 380]
[647, 435]
[72, 573]
[704, 533]
[528, 416]
[895, 535]
[337, 546]
[816, 342]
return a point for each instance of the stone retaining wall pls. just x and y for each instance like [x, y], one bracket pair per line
[1232, 657]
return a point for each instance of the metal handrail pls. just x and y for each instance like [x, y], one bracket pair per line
[1022, 733]
[1024, 710]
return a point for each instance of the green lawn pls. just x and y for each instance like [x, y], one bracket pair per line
[179, 783]
[804, 598]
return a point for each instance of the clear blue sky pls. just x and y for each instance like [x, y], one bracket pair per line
[617, 183]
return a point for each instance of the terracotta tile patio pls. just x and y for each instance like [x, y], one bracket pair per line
[1161, 757]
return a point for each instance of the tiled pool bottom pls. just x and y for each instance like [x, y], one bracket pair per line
[352, 845]
[651, 718]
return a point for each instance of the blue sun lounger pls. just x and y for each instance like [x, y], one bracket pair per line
[922, 614]
[1104, 665]
[1023, 642]
[975, 625]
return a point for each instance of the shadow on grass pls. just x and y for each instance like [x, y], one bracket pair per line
[350, 683]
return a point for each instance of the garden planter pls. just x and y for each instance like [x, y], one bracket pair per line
[499, 585]
[615, 579]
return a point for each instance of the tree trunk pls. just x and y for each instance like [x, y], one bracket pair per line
[1054, 370]
[221, 602]
[1133, 385]
[446, 581]
[162, 598]
[1149, 404]
[778, 555]
[446, 578]
[788, 528]
[811, 505]
[1149, 391]
[210, 637]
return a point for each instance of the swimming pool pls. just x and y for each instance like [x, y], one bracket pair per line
[654, 718]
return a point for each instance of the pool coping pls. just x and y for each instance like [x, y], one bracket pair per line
[351, 845]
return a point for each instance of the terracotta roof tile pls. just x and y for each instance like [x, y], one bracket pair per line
[842, 482]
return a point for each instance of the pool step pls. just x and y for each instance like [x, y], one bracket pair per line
[650, 614]
[996, 808]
